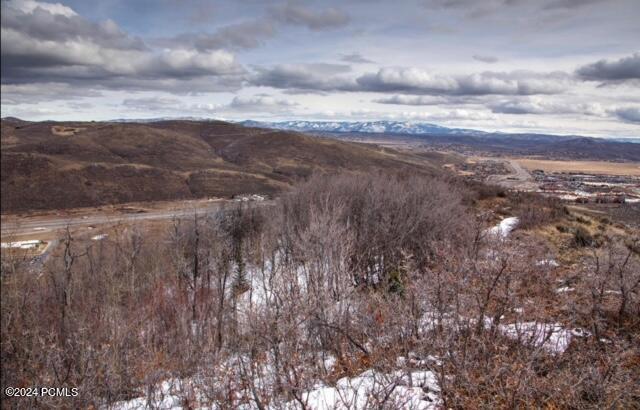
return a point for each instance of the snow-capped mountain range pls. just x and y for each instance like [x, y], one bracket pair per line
[413, 128]
[393, 127]
[378, 127]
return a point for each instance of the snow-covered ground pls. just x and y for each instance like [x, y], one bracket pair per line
[168, 395]
[409, 390]
[416, 390]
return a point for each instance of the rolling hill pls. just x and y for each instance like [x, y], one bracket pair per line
[52, 165]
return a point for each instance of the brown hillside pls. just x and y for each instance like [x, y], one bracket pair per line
[47, 165]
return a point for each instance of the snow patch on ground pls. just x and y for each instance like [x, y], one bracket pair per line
[552, 337]
[168, 396]
[564, 289]
[549, 263]
[329, 362]
[504, 228]
[22, 244]
[412, 390]
[252, 197]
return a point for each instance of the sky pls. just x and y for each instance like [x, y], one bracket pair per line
[554, 66]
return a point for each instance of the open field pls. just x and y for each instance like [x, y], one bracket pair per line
[591, 167]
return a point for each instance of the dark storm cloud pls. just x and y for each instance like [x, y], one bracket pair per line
[626, 68]
[313, 19]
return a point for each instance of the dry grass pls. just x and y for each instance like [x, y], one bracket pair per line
[62, 131]
[591, 167]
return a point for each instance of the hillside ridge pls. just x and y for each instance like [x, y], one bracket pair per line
[57, 165]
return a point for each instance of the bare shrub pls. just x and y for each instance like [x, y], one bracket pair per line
[535, 210]
[390, 218]
[582, 238]
[347, 276]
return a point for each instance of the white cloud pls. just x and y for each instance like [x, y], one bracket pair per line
[13, 94]
[30, 6]
[401, 99]
[580, 59]
[52, 44]
[419, 81]
[541, 106]
[262, 102]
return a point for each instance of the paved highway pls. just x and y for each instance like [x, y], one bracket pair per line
[42, 224]
[519, 178]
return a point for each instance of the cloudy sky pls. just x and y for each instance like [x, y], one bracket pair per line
[557, 66]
